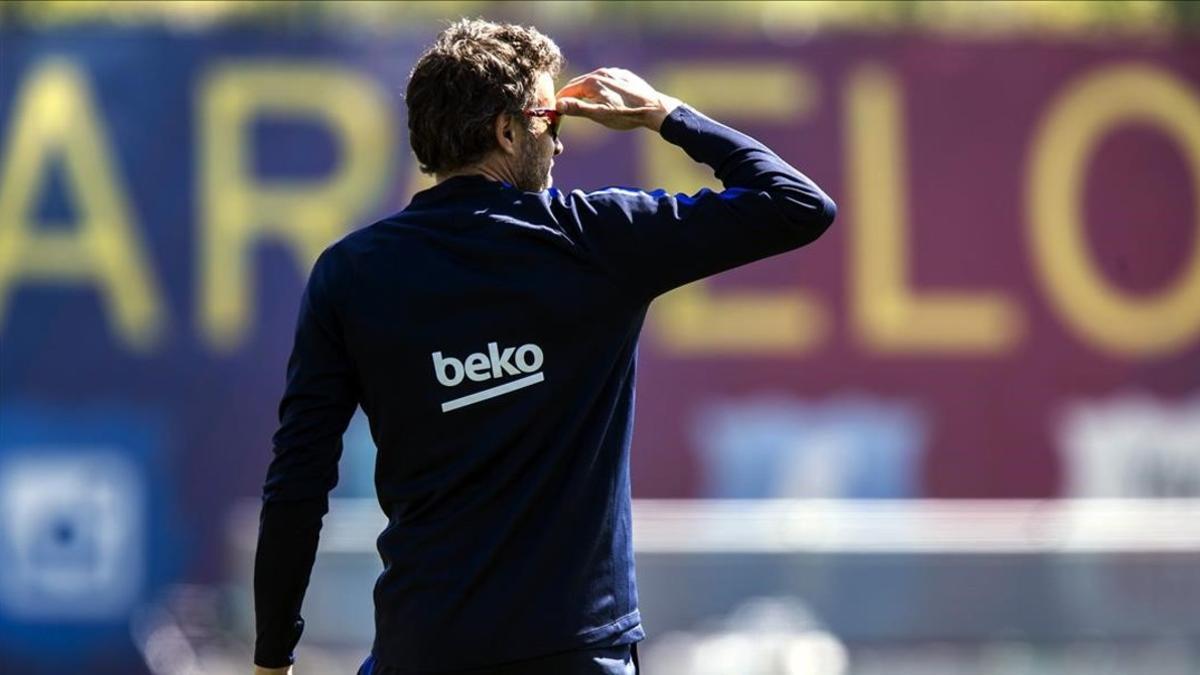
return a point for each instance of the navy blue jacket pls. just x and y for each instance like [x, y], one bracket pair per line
[490, 336]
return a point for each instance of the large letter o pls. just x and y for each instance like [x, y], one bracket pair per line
[1107, 316]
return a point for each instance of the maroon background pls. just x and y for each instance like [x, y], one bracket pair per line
[970, 112]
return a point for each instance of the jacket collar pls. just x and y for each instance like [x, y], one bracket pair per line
[457, 186]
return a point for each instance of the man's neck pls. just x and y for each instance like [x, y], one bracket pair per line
[480, 170]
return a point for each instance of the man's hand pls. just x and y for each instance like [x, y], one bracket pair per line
[616, 98]
[259, 670]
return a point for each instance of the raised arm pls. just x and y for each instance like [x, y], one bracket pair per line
[656, 241]
[319, 400]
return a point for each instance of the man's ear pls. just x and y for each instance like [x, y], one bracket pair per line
[506, 133]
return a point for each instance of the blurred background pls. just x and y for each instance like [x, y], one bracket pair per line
[958, 434]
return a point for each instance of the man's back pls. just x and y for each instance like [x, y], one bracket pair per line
[497, 374]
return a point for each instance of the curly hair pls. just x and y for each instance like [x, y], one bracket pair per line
[475, 71]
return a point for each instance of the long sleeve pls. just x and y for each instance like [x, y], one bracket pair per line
[319, 399]
[656, 241]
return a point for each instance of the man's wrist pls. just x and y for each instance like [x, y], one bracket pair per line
[666, 105]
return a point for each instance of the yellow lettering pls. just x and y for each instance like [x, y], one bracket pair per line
[888, 314]
[55, 117]
[768, 91]
[1117, 321]
[239, 211]
[693, 320]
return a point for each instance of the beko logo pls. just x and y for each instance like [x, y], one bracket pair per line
[480, 367]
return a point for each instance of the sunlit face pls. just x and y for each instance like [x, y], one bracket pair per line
[536, 149]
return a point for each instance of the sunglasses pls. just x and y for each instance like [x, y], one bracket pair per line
[551, 115]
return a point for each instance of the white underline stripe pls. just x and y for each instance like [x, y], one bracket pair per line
[493, 392]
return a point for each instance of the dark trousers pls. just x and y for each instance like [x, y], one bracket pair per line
[619, 660]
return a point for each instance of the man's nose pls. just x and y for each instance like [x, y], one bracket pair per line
[558, 146]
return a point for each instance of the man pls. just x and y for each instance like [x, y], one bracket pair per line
[489, 332]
